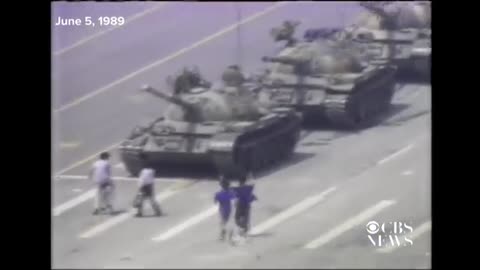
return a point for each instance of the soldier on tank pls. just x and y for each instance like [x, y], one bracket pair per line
[233, 76]
[286, 32]
[189, 79]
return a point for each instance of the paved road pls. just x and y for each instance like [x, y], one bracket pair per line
[351, 163]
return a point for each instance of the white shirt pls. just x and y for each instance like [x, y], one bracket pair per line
[147, 177]
[101, 171]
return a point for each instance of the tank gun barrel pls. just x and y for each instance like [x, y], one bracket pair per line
[284, 60]
[171, 99]
[376, 8]
[301, 66]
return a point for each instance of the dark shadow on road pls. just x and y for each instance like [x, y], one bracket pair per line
[261, 235]
[119, 212]
[395, 109]
[323, 125]
[296, 158]
[401, 120]
[151, 216]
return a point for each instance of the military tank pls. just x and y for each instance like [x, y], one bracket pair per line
[404, 29]
[326, 79]
[220, 127]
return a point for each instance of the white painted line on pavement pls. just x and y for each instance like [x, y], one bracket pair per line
[127, 20]
[124, 267]
[76, 190]
[349, 224]
[186, 224]
[394, 155]
[119, 166]
[408, 172]
[412, 236]
[69, 145]
[78, 163]
[126, 179]
[58, 210]
[172, 56]
[97, 229]
[291, 211]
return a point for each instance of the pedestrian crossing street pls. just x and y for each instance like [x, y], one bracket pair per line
[190, 210]
[314, 208]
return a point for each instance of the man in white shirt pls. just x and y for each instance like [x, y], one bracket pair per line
[100, 173]
[146, 189]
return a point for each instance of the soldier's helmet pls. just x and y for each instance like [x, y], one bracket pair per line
[232, 76]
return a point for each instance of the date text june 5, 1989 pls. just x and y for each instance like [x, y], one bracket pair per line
[89, 21]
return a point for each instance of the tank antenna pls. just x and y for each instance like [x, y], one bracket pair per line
[341, 14]
[239, 37]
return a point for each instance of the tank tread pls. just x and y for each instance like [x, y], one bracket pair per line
[260, 148]
[356, 110]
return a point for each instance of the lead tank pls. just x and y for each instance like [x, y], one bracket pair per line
[328, 80]
[402, 29]
[223, 127]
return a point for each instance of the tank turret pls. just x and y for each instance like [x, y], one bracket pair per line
[192, 111]
[285, 32]
[395, 15]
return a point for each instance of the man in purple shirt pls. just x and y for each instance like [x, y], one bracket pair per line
[245, 197]
[224, 199]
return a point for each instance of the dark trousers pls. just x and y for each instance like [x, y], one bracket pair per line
[242, 217]
[146, 193]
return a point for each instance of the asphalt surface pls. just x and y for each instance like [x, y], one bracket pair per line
[388, 162]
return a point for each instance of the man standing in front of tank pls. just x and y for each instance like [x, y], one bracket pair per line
[245, 197]
[100, 173]
[224, 199]
[146, 188]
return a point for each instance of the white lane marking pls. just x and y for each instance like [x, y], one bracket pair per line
[172, 56]
[394, 155]
[69, 145]
[412, 236]
[126, 179]
[349, 224]
[408, 172]
[186, 224]
[78, 163]
[97, 229]
[127, 20]
[119, 166]
[414, 95]
[58, 210]
[124, 267]
[76, 190]
[291, 211]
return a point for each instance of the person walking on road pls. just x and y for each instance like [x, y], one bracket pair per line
[100, 173]
[245, 197]
[146, 189]
[224, 199]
